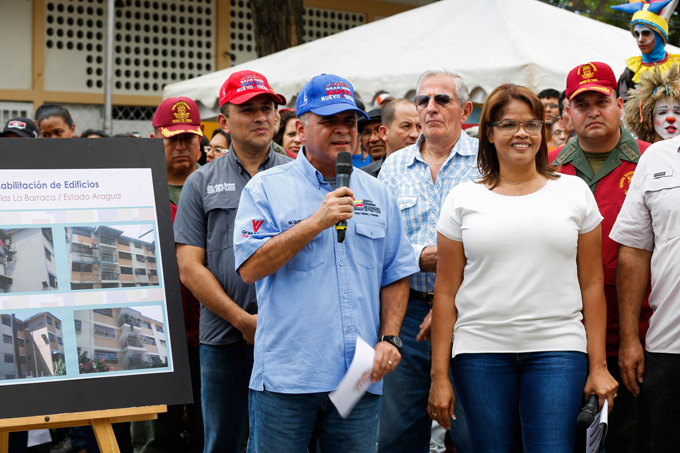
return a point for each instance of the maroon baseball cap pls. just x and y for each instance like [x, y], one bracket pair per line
[177, 116]
[244, 85]
[594, 76]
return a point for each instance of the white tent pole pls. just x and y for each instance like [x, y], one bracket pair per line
[108, 68]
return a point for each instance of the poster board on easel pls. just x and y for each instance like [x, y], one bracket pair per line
[89, 290]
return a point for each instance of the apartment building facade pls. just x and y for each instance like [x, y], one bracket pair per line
[31, 348]
[102, 257]
[27, 262]
[122, 337]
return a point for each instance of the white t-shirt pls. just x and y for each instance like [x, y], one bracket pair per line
[520, 290]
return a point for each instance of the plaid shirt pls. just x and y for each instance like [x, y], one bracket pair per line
[408, 177]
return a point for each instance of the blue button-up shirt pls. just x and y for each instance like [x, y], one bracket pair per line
[408, 177]
[311, 311]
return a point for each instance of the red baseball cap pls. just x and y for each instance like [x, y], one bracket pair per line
[244, 85]
[594, 76]
[177, 116]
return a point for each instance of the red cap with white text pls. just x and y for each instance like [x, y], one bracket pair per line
[241, 86]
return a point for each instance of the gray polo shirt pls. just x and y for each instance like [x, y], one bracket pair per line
[205, 219]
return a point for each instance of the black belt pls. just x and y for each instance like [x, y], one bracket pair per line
[427, 298]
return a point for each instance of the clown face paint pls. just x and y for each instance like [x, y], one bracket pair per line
[666, 119]
[644, 36]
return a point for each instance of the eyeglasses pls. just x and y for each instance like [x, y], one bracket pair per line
[441, 99]
[216, 149]
[510, 127]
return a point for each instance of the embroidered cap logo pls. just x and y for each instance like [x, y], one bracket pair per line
[182, 113]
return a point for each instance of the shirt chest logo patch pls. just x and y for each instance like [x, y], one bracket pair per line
[366, 207]
[625, 181]
[257, 224]
[223, 187]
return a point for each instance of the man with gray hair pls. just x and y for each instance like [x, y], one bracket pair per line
[420, 177]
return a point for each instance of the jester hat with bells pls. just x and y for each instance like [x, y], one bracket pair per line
[641, 104]
[653, 14]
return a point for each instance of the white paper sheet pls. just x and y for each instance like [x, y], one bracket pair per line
[598, 429]
[39, 437]
[356, 381]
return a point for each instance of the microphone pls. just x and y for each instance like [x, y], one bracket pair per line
[588, 412]
[343, 171]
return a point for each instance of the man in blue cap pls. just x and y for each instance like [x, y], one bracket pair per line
[316, 295]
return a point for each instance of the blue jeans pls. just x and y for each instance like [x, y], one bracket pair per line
[225, 374]
[405, 425]
[283, 423]
[531, 399]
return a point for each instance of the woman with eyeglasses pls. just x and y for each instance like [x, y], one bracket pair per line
[287, 135]
[219, 145]
[519, 299]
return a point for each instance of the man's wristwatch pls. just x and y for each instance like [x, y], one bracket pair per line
[393, 340]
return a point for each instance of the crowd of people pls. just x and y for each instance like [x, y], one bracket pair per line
[501, 276]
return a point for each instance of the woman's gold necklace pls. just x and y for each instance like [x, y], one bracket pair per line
[518, 183]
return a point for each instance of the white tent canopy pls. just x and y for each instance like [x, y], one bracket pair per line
[487, 42]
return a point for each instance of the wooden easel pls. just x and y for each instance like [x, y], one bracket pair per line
[99, 420]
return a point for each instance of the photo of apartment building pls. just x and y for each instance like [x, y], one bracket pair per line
[117, 339]
[111, 256]
[27, 262]
[32, 347]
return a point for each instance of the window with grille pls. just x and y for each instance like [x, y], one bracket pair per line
[79, 326]
[49, 320]
[150, 248]
[82, 267]
[9, 358]
[140, 258]
[128, 285]
[123, 241]
[153, 272]
[81, 285]
[60, 341]
[162, 342]
[140, 271]
[151, 259]
[52, 338]
[83, 249]
[155, 43]
[104, 311]
[109, 276]
[107, 240]
[146, 325]
[126, 270]
[150, 341]
[108, 257]
[105, 332]
[124, 255]
[108, 356]
[110, 285]
[57, 324]
[53, 280]
[159, 328]
[48, 255]
[21, 342]
[7, 339]
[6, 320]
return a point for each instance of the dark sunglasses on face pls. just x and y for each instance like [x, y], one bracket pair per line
[440, 99]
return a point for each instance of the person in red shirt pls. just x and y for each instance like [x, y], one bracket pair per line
[605, 156]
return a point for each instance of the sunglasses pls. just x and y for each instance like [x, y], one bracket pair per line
[440, 99]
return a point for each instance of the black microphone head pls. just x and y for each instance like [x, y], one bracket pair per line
[343, 164]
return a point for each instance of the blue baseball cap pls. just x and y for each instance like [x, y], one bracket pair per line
[326, 95]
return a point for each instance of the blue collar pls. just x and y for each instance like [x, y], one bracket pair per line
[308, 170]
